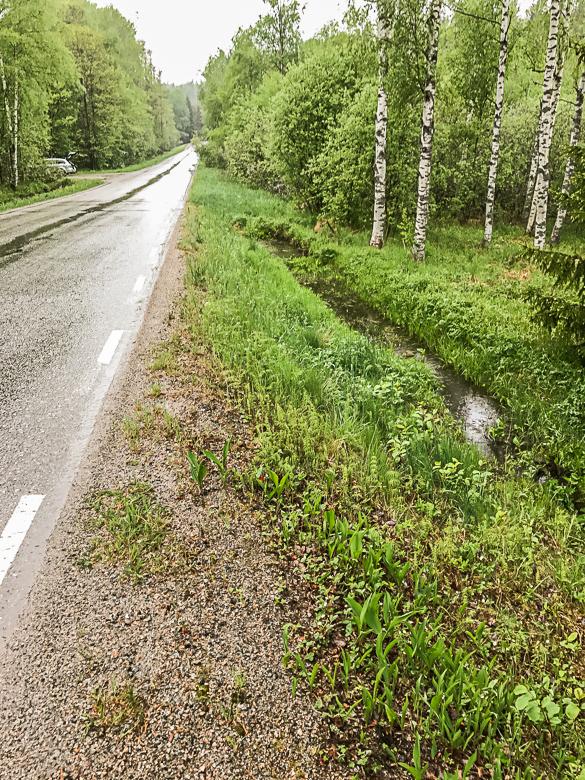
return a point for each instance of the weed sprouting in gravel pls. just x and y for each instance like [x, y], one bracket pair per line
[116, 707]
[134, 528]
[220, 462]
[198, 469]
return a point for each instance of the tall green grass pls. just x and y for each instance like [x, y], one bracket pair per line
[470, 307]
[427, 564]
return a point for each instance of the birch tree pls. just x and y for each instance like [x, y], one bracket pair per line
[531, 195]
[495, 150]
[550, 94]
[570, 167]
[386, 23]
[531, 176]
[427, 132]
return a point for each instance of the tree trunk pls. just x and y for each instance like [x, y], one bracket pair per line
[531, 177]
[426, 138]
[570, 167]
[15, 130]
[385, 34]
[550, 94]
[9, 117]
[495, 155]
[558, 78]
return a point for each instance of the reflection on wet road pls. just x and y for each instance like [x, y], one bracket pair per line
[74, 274]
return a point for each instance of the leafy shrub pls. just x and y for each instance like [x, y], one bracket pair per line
[313, 97]
[247, 140]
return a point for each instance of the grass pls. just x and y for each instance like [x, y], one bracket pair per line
[29, 194]
[470, 307]
[116, 708]
[143, 164]
[134, 530]
[424, 565]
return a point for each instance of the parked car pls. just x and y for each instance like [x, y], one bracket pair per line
[61, 164]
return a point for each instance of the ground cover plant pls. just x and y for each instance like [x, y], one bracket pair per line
[38, 192]
[425, 565]
[471, 307]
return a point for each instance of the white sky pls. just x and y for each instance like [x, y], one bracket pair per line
[183, 34]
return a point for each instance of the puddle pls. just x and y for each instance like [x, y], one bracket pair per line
[477, 412]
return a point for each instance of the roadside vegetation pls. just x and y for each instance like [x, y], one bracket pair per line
[27, 195]
[75, 80]
[425, 564]
[416, 161]
[145, 163]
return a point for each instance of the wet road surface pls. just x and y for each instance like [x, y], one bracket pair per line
[75, 275]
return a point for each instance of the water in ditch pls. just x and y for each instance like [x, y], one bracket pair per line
[477, 412]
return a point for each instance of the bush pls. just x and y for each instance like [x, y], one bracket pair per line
[313, 97]
[344, 169]
[248, 137]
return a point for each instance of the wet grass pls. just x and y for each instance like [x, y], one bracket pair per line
[425, 565]
[31, 194]
[143, 164]
[469, 305]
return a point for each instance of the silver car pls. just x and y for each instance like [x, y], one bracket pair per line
[61, 164]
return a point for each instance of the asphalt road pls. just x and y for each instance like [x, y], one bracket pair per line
[75, 274]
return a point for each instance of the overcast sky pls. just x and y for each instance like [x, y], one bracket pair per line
[183, 34]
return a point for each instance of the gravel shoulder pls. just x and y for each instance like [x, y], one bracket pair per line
[176, 672]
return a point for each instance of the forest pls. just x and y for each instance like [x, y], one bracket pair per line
[74, 79]
[384, 213]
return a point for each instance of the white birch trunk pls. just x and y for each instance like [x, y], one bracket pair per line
[551, 87]
[495, 153]
[570, 167]
[531, 178]
[9, 116]
[558, 78]
[427, 132]
[385, 34]
[15, 130]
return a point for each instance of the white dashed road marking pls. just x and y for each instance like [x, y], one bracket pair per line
[110, 347]
[140, 282]
[15, 531]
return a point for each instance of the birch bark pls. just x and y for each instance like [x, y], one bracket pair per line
[427, 132]
[551, 88]
[15, 128]
[385, 34]
[555, 102]
[570, 167]
[531, 178]
[9, 116]
[495, 153]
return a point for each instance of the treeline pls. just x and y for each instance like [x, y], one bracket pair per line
[402, 111]
[74, 78]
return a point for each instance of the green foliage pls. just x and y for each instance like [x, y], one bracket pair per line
[185, 102]
[343, 171]
[424, 565]
[198, 469]
[78, 80]
[248, 137]
[278, 33]
[313, 96]
[561, 309]
[311, 133]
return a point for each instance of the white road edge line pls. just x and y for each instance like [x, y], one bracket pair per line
[15, 531]
[140, 282]
[110, 347]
